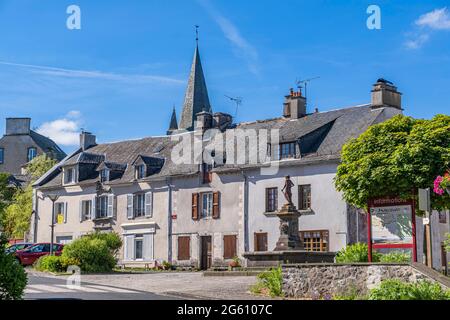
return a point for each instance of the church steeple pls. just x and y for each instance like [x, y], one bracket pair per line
[173, 126]
[196, 98]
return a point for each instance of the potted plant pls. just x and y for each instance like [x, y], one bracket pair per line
[235, 262]
[442, 184]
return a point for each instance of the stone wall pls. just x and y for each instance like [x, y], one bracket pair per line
[327, 280]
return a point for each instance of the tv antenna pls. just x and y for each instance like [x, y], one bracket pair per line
[238, 101]
[304, 84]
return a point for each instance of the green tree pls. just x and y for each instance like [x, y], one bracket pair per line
[394, 158]
[16, 220]
[6, 195]
[13, 277]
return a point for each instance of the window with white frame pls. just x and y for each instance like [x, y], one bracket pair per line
[32, 153]
[101, 207]
[86, 209]
[206, 204]
[140, 171]
[138, 247]
[104, 175]
[139, 205]
[69, 175]
[286, 150]
[60, 212]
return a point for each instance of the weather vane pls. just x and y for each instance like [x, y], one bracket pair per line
[196, 32]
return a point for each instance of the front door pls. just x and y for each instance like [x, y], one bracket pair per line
[206, 252]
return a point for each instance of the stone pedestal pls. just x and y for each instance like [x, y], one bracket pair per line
[289, 236]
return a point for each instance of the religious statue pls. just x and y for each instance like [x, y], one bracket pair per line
[287, 189]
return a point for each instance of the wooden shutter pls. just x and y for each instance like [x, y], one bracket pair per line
[195, 197]
[260, 240]
[110, 211]
[229, 246]
[184, 248]
[129, 206]
[148, 204]
[216, 205]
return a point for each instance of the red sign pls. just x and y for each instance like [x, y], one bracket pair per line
[391, 223]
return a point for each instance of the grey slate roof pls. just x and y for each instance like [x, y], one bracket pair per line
[48, 146]
[196, 98]
[324, 133]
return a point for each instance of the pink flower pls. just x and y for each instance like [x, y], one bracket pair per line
[437, 186]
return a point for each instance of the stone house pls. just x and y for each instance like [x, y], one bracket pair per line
[19, 145]
[203, 213]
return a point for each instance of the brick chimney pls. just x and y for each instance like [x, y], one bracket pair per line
[294, 105]
[17, 126]
[87, 140]
[385, 94]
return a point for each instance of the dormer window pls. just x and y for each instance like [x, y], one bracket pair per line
[140, 171]
[286, 150]
[69, 175]
[104, 175]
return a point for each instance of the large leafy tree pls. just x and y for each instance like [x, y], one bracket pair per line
[395, 157]
[16, 220]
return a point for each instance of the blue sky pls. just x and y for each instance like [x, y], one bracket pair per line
[120, 75]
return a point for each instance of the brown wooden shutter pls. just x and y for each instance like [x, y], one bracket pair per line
[229, 246]
[216, 205]
[184, 252]
[195, 206]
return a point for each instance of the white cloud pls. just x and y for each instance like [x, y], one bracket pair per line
[71, 73]
[438, 19]
[417, 42]
[232, 33]
[64, 131]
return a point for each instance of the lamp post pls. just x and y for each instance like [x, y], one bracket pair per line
[53, 198]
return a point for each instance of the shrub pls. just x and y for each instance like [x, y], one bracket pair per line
[49, 263]
[270, 281]
[398, 290]
[357, 252]
[13, 278]
[94, 252]
[396, 256]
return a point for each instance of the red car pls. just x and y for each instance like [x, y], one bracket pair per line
[29, 255]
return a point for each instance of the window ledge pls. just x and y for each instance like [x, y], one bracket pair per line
[306, 212]
[270, 214]
[102, 219]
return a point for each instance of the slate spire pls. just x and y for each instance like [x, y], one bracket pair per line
[173, 126]
[196, 98]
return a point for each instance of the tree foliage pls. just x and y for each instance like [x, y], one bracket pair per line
[13, 278]
[6, 194]
[16, 219]
[395, 157]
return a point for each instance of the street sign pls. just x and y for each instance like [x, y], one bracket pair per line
[60, 219]
[424, 200]
[426, 221]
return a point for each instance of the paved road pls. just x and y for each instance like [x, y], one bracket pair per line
[51, 288]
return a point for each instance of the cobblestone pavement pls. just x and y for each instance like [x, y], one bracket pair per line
[189, 285]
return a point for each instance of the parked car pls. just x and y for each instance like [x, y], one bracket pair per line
[18, 246]
[29, 255]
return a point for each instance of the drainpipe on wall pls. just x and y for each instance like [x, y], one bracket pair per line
[169, 221]
[246, 236]
[35, 215]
